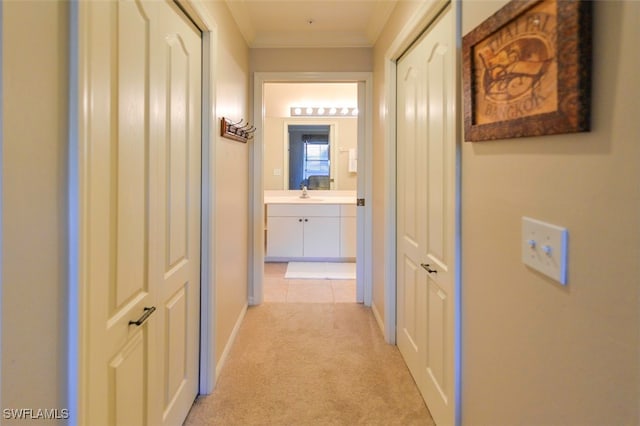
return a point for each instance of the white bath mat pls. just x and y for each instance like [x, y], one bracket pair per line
[321, 270]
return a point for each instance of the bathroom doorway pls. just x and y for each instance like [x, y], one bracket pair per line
[329, 117]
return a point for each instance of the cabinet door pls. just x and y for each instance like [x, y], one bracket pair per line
[321, 236]
[284, 236]
[348, 237]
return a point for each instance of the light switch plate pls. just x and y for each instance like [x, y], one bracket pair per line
[544, 248]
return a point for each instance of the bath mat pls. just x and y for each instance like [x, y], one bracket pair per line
[321, 270]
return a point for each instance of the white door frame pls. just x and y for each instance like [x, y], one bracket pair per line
[201, 16]
[423, 17]
[1, 168]
[78, 106]
[256, 268]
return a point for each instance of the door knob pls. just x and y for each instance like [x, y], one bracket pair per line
[427, 268]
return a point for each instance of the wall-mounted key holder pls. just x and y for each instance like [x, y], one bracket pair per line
[236, 131]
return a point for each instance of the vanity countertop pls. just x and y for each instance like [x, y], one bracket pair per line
[315, 197]
[310, 200]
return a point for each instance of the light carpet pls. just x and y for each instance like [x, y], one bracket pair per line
[321, 270]
[311, 364]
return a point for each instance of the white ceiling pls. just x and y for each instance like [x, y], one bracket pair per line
[310, 23]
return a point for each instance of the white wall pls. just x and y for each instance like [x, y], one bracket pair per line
[535, 352]
[311, 60]
[232, 178]
[34, 274]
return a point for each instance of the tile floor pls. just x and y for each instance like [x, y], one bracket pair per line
[278, 289]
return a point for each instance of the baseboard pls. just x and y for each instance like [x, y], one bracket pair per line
[378, 318]
[232, 339]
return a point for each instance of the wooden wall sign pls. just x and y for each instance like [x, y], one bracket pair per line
[527, 71]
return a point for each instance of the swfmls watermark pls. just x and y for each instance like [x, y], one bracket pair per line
[35, 413]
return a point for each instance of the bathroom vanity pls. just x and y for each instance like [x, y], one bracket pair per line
[321, 227]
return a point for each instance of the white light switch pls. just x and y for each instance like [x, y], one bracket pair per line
[277, 172]
[544, 248]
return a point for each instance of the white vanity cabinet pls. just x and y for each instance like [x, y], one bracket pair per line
[348, 229]
[284, 236]
[304, 231]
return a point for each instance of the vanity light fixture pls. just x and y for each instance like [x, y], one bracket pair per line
[323, 111]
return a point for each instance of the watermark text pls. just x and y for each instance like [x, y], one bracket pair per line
[35, 413]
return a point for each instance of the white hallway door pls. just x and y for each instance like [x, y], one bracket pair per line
[426, 215]
[141, 192]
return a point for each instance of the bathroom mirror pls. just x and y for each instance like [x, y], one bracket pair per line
[310, 157]
[301, 151]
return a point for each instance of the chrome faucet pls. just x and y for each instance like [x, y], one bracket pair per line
[304, 193]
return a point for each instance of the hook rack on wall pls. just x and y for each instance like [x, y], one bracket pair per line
[236, 131]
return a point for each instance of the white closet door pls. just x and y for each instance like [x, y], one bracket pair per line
[176, 91]
[140, 184]
[426, 215]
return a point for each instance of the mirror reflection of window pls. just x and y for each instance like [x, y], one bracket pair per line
[309, 157]
[316, 163]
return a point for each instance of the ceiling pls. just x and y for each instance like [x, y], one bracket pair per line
[310, 23]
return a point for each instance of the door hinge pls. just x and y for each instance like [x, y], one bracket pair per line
[360, 202]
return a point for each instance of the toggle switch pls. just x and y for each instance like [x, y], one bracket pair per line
[544, 248]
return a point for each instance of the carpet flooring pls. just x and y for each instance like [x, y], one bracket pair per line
[311, 364]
